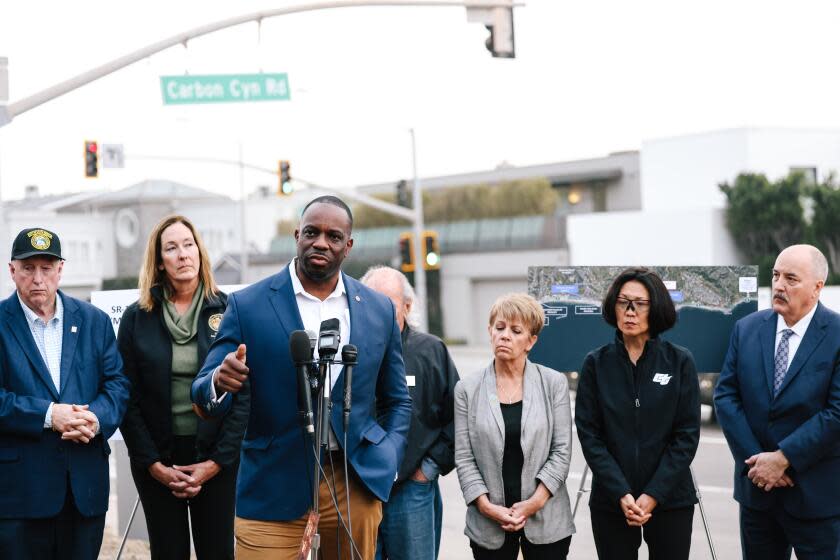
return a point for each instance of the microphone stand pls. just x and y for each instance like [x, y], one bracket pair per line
[320, 439]
[322, 419]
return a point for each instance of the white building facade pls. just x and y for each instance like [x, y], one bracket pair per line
[682, 216]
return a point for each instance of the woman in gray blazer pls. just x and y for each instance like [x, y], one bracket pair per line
[513, 444]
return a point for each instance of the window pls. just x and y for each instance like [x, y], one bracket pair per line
[810, 174]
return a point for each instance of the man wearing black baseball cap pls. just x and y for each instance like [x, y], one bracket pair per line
[62, 395]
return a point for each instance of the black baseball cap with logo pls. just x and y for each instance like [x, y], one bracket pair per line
[36, 242]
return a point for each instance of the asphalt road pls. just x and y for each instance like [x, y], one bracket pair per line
[713, 468]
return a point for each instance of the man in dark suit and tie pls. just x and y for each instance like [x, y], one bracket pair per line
[274, 490]
[62, 395]
[778, 403]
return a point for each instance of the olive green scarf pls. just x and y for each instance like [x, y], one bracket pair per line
[183, 329]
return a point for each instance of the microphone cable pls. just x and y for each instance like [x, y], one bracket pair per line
[332, 466]
[347, 492]
[337, 509]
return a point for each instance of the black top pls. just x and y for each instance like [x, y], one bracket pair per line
[431, 378]
[639, 426]
[146, 347]
[513, 459]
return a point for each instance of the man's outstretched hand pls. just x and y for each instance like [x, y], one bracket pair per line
[232, 373]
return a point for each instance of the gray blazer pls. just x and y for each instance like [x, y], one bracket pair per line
[546, 444]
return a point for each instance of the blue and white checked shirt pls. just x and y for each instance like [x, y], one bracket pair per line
[48, 337]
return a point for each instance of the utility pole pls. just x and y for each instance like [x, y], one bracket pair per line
[243, 211]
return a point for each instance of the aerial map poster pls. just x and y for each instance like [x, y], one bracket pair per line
[709, 299]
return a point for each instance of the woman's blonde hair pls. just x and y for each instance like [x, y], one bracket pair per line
[520, 307]
[151, 274]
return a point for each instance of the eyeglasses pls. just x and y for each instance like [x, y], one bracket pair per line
[636, 305]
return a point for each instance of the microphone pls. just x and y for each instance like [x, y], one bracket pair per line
[348, 357]
[328, 339]
[301, 356]
[313, 342]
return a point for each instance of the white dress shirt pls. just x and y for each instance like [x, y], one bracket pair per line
[313, 311]
[798, 332]
[48, 336]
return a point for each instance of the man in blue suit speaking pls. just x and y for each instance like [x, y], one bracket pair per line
[251, 353]
[62, 395]
[778, 402]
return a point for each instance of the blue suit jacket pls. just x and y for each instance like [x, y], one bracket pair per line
[275, 471]
[34, 461]
[803, 420]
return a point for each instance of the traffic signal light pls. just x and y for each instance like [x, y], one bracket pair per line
[499, 22]
[284, 174]
[402, 194]
[407, 251]
[91, 159]
[500, 42]
[431, 251]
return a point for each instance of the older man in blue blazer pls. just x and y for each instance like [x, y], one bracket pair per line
[274, 491]
[778, 402]
[62, 395]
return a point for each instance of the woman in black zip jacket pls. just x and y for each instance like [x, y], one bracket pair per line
[184, 467]
[637, 413]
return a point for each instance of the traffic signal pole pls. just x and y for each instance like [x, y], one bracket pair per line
[419, 257]
[12, 110]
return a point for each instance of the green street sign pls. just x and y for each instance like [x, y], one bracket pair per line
[224, 88]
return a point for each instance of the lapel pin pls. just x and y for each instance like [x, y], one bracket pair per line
[73, 328]
[358, 298]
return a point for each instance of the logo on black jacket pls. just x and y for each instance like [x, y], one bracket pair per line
[662, 378]
[214, 322]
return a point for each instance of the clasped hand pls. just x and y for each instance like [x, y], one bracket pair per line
[185, 481]
[75, 422]
[767, 470]
[637, 512]
[513, 518]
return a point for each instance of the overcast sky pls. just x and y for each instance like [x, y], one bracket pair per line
[590, 77]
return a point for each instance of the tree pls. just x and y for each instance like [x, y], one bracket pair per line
[825, 223]
[527, 197]
[765, 217]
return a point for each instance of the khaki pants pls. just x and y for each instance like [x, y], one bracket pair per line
[280, 540]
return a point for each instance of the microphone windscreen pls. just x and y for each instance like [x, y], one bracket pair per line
[330, 325]
[349, 354]
[299, 347]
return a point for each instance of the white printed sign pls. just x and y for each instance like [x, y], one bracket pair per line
[748, 284]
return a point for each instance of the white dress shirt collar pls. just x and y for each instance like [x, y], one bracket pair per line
[297, 287]
[800, 326]
[31, 316]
